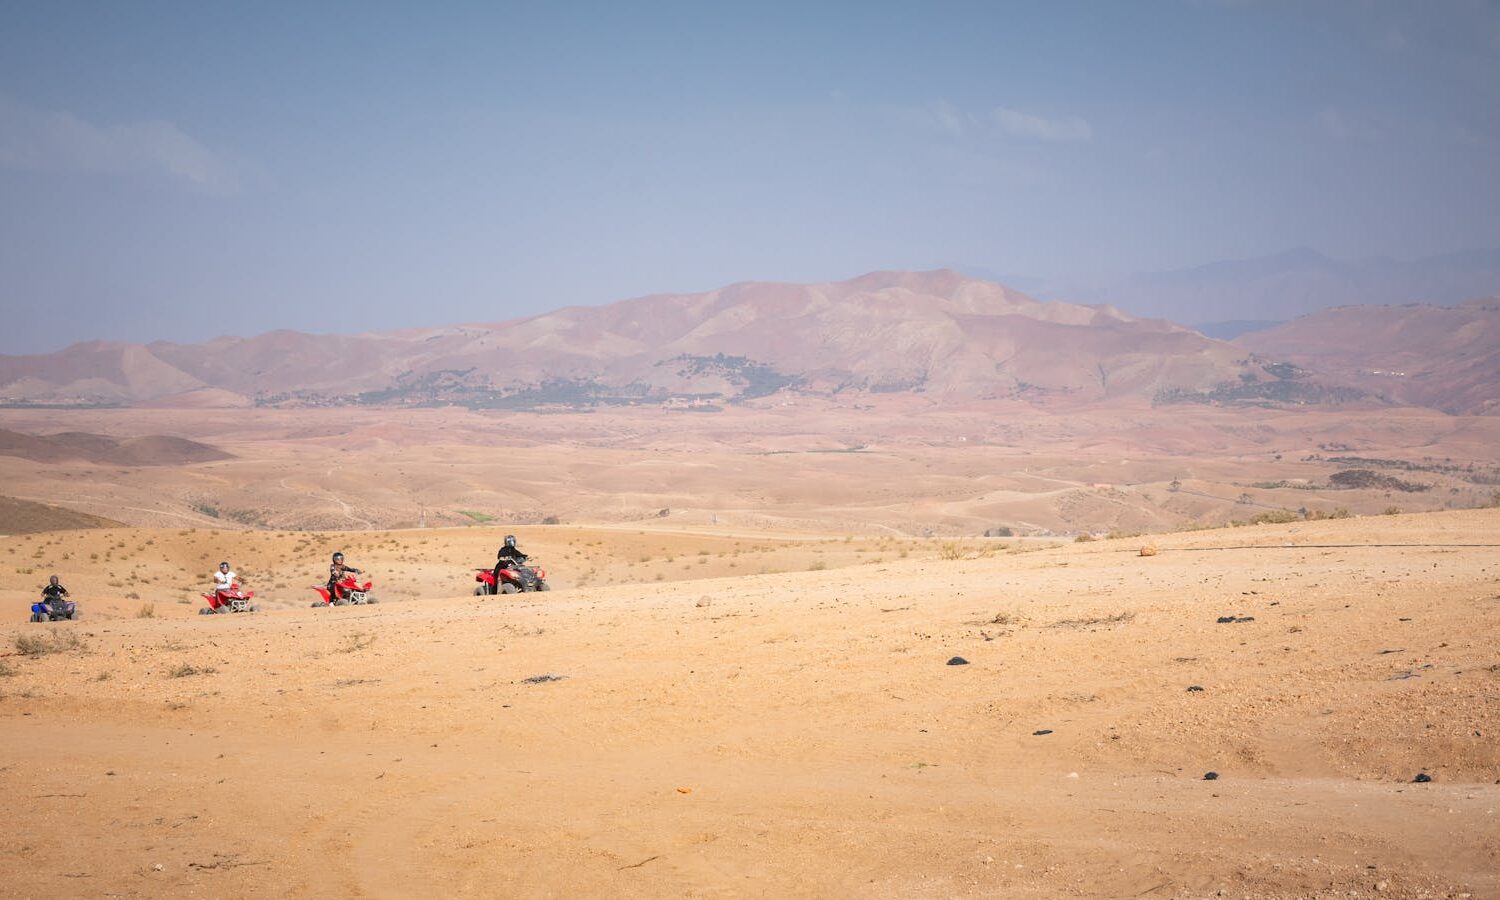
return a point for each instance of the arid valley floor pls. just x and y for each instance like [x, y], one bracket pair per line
[750, 691]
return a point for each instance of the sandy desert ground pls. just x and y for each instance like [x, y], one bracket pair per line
[776, 718]
[906, 469]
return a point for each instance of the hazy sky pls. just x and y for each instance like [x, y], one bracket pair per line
[185, 170]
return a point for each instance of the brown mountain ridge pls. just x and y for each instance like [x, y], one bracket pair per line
[939, 334]
[1443, 357]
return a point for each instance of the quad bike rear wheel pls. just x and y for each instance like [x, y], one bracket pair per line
[508, 588]
[40, 617]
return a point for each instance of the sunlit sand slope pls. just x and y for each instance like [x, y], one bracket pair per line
[795, 734]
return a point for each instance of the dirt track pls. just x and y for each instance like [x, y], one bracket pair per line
[799, 734]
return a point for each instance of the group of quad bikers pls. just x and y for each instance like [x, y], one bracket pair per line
[511, 575]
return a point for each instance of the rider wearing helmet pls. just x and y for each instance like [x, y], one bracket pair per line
[336, 572]
[224, 580]
[54, 592]
[54, 602]
[508, 555]
[510, 551]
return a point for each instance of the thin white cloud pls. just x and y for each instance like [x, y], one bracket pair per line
[1040, 128]
[952, 119]
[59, 141]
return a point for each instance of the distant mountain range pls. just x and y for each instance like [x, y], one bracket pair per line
[937, 334]
[1443, 357]
[1227, 298]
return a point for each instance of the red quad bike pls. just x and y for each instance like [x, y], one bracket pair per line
[349, 592]
[236, 599]
[514, 579]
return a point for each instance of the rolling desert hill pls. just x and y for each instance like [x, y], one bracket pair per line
[937, 334]
[1299, 282]
[25, 517]
[896, 464]
[147, 450]
[1442, 357]
[1241, 713]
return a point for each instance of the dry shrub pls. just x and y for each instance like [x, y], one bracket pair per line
[359, 640]
[1116, 619]
[186, 669]
[58, 641]
[1276, 517]
[147, 611]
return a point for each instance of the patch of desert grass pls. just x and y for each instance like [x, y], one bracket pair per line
[56, 641]
[357, 641]
[1116, 619]
[186, 669]
[1002, 618]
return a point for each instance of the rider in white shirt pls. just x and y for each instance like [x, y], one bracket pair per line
[224, 578]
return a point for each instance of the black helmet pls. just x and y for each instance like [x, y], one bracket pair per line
[510, 540]
[338, 556]
[224, 564]
[52, 580]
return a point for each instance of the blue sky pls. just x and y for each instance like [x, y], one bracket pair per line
[185, 170]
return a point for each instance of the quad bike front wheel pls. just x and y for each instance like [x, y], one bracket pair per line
[40, 617]
[508, 588]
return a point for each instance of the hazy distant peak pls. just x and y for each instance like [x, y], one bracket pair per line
[935, 281]
[1303, 256]
[938, 333]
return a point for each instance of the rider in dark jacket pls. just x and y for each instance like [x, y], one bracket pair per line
[54, 598]
[508, 555]
[54, 591]
[336, 572]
